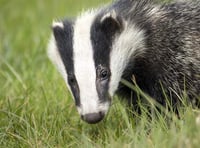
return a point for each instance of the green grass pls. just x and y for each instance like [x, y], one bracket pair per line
[36, 110]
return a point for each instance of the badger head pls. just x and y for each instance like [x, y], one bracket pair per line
[92, 53]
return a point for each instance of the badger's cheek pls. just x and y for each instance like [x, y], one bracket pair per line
[96, 116]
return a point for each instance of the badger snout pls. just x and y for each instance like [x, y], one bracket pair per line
[93, 113]
[93, 118]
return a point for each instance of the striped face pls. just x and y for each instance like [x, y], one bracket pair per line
[88, 53]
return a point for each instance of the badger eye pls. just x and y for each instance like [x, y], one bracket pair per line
[104, 74]
[71, 79]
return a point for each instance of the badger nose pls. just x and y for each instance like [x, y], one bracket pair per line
[93, 118]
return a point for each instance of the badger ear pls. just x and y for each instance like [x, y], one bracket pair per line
[111, 23]
[58, 29]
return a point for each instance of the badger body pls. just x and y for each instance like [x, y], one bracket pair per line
[158, 44]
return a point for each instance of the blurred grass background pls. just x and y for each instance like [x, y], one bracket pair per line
[36, 109]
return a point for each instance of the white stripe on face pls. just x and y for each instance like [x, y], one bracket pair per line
[84, 65]
[123, 48]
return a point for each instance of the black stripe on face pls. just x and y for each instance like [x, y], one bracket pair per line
[102, 36]
[64, 41]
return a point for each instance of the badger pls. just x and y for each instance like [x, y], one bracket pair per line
[158, 44]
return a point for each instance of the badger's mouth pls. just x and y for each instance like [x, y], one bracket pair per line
[94, 116]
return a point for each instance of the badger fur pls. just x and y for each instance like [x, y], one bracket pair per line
[157, 43]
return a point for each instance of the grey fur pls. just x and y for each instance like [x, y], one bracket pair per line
[172, 52]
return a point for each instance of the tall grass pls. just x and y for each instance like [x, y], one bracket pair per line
[36, 109]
